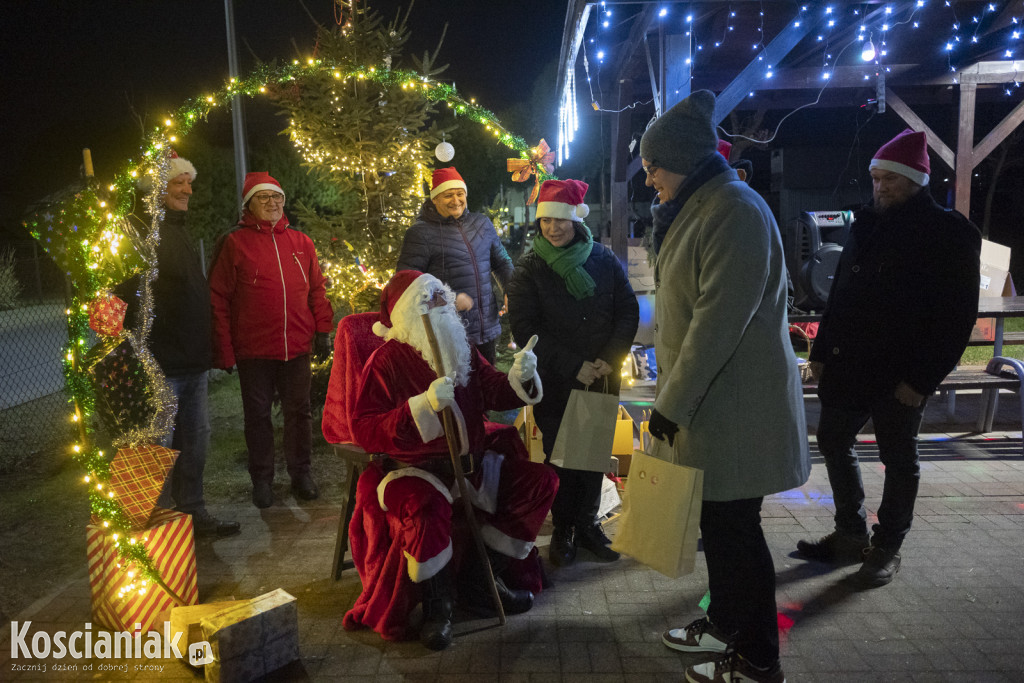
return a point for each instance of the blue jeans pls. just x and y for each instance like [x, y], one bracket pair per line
[260, 379]
[896, 428]
[741, 577]
[191, 437]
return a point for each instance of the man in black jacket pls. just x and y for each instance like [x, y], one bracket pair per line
[180, 341]
[901, 309]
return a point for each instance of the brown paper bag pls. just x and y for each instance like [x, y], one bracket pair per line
[623, 443]
[660, 520]
[585, 437]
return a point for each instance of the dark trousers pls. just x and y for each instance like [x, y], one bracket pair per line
[191, 438]
[260, 379]
[896, 428]
[741, 577]
[578, 498]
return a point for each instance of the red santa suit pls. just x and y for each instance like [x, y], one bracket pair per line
[392, 415]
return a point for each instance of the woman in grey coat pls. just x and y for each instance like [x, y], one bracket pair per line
[728, 398]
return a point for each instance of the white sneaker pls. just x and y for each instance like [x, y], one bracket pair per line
[697, 636]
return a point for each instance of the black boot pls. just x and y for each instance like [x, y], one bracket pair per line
[475, 591]
[438, 606]
[592, 538]
[562, 551]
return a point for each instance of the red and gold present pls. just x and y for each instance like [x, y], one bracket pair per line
[106, 315]
[169, 543]
[137, 477]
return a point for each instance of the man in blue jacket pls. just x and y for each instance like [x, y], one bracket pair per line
[461, 249]
[901, 309]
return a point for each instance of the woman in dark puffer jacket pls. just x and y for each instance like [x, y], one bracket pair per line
[573, 294]
[461, 249]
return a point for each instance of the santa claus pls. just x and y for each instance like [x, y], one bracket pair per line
[402, 393]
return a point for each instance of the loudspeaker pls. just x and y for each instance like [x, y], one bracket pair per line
[813, 244]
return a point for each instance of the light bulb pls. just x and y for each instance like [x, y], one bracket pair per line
[868, 53]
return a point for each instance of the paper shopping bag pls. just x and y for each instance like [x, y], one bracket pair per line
[585, 437]
[660, 520]
[623, 443]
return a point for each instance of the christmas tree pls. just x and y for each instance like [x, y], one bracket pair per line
[368, 128]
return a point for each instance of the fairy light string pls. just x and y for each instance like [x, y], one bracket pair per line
[91, 236]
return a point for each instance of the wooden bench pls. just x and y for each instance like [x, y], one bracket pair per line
[1000, 373]
[1009, 339]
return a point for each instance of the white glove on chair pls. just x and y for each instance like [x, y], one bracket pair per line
[441, 393]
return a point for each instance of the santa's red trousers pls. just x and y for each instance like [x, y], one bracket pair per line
[422, 515]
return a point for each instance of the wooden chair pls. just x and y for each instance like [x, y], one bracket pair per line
[354, 342]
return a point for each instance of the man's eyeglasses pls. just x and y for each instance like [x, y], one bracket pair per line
[650, 170]
[268, 197]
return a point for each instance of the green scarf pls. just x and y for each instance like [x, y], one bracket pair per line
[568, 262]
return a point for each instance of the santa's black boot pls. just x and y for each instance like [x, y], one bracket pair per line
[475, 590]
[438, 606]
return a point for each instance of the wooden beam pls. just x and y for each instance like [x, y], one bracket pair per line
[965, 148]
[992, 72]
[677, 69]
[619, 189]
[999, 133]
[914, 121]
[752, 76]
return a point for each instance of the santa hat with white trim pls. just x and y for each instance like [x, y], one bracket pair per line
[404, 299]
[445, 179]
[175, 167]
[906, 154]
[562, 199]
[256, 181]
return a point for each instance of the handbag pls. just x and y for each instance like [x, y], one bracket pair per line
[660, 521]
[587, 431]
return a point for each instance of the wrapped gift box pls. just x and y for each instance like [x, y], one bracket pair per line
[137, 477]
[186, 619]
[169, 543]
[124, 392]
[253, 639]
[106, 315]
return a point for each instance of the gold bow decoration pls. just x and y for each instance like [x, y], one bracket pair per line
[538, 162]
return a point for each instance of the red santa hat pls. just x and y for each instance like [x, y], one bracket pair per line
[406, 288]
[906, 154]
[725, 148]
[179, 165]
[256, 181]
[445, 179]
[562, 199]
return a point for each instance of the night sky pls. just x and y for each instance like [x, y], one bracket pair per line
[80, 73]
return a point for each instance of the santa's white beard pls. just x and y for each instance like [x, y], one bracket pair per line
[451, 340]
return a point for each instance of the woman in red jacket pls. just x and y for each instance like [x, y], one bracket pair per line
[270, 311]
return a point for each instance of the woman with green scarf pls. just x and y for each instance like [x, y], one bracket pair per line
[574, 295]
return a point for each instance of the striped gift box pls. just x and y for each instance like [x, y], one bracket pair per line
[137, 477]
[170, 545]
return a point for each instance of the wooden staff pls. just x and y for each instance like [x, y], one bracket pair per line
[448, 421]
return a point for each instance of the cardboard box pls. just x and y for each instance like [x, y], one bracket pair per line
[186, 619]
[253, 639]
[170, 545]
[995, 281]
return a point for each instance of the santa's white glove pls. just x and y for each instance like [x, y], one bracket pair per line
[441, 393]
[525, 364]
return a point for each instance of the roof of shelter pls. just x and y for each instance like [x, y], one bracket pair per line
[777, 55]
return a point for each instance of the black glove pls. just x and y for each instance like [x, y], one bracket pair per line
[662, 428]
[321, 347]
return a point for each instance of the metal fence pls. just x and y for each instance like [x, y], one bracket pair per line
[33, 402]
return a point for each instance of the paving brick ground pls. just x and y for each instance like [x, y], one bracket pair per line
[954, 613]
